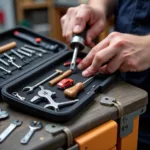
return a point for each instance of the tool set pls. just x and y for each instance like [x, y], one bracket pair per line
[35, 74]
[40, 74]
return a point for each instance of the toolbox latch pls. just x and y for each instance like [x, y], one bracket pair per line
[55, 129]
[110, 101]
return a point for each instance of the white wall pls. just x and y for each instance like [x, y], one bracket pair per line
[8, 7]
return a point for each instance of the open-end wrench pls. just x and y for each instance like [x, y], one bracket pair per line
[24, 53]
[8, 71]
[34, 126]
[4, 62]
[14, 64]
[9, 129]
[36, 48]
[17, 95]
[9, 57]
[28, 50]
[17, 54]
[30, 89]
[44, 93]
[31, 51]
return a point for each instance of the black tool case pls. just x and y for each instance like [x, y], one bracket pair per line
[38, 69]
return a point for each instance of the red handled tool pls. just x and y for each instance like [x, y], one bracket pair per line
[36, 41]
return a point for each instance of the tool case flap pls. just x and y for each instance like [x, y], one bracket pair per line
[64, 113]
[29, 63]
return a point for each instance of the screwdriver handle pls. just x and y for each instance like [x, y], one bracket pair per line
[7, 47]
[73, 91]
[79, 39]
[83, 33]
[62, 76]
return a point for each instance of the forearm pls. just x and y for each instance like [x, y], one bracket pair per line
[107, 6]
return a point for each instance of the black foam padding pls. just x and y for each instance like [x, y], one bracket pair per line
[34, 76]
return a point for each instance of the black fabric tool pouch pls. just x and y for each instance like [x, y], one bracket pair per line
[49, 101]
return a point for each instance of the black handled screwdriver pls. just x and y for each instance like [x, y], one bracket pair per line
[77, 44]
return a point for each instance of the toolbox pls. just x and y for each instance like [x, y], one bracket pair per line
[45, 100]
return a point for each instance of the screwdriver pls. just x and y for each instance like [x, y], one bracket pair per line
[74, 90]
[77, 44]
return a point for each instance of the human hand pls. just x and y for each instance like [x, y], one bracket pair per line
[125, 52]
[76, 18]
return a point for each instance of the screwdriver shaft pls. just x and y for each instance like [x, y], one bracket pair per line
[74, 57]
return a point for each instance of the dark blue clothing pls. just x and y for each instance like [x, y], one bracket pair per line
[133, 17]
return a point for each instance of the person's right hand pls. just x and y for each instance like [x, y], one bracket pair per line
[74, 21]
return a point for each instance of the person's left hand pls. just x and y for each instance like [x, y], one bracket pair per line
[125, 52]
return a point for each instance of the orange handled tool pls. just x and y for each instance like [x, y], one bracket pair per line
[59, 78]
[7, 47]
[74, 90]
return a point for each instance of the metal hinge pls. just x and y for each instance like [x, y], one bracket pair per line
[126, 122]
[75, 147]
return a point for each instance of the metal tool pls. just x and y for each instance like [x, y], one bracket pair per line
[17, 54]
[8, 71]
[31, 51]
[36, 48]
[9, 57]
[27, 50]
[24, 53]
[60, 77]
[14, 64]
[77, 43]
[47, 94]
[3, 114]
[4, 62]
[30, 89]
[74, 90]
[7, 47]
[9, 129]
[33, 126]
[36, 41]
[17, 95]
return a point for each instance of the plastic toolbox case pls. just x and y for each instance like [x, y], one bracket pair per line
[28, 62]
[50, 106]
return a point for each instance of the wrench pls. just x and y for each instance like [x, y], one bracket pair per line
[31, 51]
[28, 50]
[17, 95]
[4, 62]
[8, 71]
[35, 48]
[9, 129]
[52, 104]
[9, 57]
[34, 126]
[17, 54]
[14, 64]
[24, 53]
[3, 114]
[30, 89]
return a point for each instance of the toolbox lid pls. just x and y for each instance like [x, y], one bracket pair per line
[31, 62]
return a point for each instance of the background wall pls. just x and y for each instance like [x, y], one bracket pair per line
[7, 7]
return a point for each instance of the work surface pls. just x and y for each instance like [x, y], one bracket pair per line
[93, 115]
